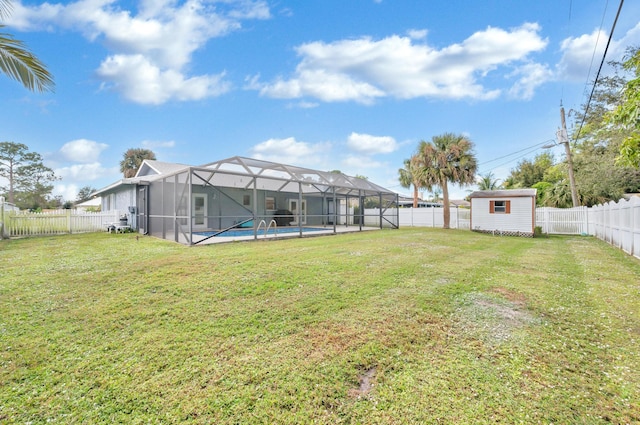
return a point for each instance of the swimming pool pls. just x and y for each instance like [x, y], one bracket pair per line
[261, 232]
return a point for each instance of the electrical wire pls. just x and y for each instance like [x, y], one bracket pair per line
[514, 159]
[604, 55]
[595, 45]
[516, 152]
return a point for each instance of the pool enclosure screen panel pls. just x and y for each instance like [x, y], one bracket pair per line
[243, 193]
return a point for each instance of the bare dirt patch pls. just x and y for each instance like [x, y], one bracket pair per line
[365, 381]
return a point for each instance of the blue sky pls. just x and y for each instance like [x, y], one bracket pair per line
[326, 84]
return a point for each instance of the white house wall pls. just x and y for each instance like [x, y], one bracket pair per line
[520, 219]
[120, 200]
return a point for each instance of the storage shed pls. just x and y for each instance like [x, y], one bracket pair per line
[504, 212]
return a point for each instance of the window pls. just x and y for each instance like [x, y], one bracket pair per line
[270, 203]
[246, 200]
[500, 207]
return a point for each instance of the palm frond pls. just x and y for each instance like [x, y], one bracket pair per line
[20, 64]
[5, 8]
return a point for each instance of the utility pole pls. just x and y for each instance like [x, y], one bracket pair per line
[564, 139]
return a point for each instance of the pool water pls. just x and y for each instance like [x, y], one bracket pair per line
[261, 232]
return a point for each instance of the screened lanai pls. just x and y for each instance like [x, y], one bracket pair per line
[243, 198]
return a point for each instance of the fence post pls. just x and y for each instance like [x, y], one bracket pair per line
[1, 217]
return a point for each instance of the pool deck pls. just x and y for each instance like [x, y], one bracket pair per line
[329, 231]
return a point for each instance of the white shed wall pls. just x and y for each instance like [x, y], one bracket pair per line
[520, 219]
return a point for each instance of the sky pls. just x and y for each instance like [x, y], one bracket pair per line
[325, 84]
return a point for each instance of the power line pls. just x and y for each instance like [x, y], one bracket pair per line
[516, 152]
[595, 45]
[604, 55]
[516, 158]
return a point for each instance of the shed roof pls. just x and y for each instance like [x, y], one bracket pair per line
[506, 193]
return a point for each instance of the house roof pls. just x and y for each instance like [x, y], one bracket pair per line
[460, 203]
[268, 176]
[93, 202]
[152, 167]
[506, 193]
[273, 175]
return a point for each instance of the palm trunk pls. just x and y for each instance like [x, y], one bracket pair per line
[445, 201]
[415, 196]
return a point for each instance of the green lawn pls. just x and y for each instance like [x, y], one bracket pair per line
[409, 326]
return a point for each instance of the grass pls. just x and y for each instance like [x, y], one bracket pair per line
[407, 326]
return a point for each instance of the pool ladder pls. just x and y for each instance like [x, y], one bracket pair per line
[267, 228]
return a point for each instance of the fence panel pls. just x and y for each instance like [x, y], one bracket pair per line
[618, 223]
[23, 224]
[434, 217]
[564, 221]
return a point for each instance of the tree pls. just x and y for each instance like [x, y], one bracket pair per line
[488, 182]
[527, 172]
[409, 176]
[559, 195]
[448, 158]
[29, 180]
[20, 64]
[84, 193]
[133, 159]
[627, 113]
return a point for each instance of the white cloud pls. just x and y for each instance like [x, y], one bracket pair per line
[578, 55]
[140, 81]
[83, 172]
[152, 144]
[531, 75]
[68, 192]
[323, 85]
[353, 162]
[152, 47]
[581, 56]
[82, 150]
[291, 151]
[417, 34]
[364, 69]
[370, 145]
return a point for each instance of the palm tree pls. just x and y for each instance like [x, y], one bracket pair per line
[559, 195]
[488, 182]
[408, 177]
[447, 158]
[133, 159]
[20, 64]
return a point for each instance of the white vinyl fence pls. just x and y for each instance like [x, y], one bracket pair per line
[565, 221]
[434, 217]
[22, 223]
[618, 223]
